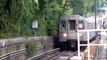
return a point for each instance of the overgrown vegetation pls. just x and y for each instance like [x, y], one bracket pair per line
[16, 16]
[31, 48]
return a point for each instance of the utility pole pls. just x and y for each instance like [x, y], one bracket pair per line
[95, 15]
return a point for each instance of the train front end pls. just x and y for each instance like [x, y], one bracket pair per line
[68, 30]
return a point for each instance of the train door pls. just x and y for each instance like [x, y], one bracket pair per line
[72, 33]
[72, 29]
[74, 25]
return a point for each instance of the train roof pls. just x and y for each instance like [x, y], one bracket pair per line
[72, 17]
[91, 19]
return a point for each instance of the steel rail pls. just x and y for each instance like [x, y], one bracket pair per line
[44, 55]
[15, 53]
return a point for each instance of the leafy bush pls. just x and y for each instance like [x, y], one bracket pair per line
[16, 18]
[31, 48]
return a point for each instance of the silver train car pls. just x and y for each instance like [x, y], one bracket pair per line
[68, 27]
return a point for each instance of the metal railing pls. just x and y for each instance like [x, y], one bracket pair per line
[88, 38]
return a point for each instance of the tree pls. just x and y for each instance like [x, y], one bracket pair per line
[16, 17]
[50, 11]
[79, 6]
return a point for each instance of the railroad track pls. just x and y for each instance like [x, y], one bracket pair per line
[65, 55]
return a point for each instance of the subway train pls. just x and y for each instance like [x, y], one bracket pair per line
[70, 24]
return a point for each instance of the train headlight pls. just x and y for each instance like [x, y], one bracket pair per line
[64, 34]
[80, 25]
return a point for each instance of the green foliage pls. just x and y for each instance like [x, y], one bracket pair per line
[50, 11]
[79, 6]
[49, 14]
[91, 4]
[16, 17]
[41, 29]
[31, 48]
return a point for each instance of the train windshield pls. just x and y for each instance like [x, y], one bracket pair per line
[72, 24]
[62, 26]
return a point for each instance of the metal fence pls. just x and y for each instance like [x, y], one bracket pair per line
[101, 46]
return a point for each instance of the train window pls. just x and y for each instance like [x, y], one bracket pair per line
[105, 24]
[80, 25]
[62, 25]
[72, 24]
